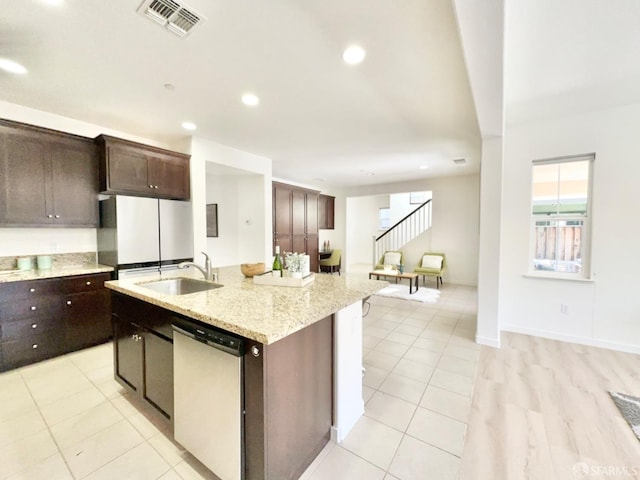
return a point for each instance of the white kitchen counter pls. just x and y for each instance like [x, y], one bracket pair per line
[14, 275]
[259, 312]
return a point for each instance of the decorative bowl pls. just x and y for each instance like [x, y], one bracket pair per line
[251, 269]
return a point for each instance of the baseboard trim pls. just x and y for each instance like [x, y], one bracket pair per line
[488, 341]
[591, 342]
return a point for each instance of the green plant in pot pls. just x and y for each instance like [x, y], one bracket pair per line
[293, 264]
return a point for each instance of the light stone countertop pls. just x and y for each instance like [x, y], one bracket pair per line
[14, 275]
[260, 312]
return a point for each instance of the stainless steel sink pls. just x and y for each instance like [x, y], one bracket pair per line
[179, 286]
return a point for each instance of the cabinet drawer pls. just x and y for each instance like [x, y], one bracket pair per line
[153, 318]
[30, 308]
[36, 347]
[28, 289]
[27, 328]
[85, 283]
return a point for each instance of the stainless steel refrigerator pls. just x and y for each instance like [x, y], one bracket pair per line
[143, 235]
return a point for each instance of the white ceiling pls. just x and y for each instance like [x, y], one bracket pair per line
[408, 104]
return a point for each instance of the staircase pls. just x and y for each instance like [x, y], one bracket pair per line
[411, 226]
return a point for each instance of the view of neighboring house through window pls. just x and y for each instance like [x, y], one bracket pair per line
[561, 215]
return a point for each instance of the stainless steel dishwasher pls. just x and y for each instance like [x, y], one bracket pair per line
[208, 397]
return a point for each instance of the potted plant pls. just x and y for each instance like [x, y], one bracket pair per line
[293, 263]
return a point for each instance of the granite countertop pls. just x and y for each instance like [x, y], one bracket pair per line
[13, 275]
[260, 312]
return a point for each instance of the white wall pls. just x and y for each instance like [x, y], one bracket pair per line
[606, 311]
[32, 241]
[401, 206]
[254, 201]
[488, 327]
[240, 226]
[362, 225]
[455, 220]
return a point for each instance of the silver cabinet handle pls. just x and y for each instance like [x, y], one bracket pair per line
[34, 325]
[155, 186]
[150, 186]
[57, 216]
[88, 283]
[49, 216]
[33, 308]
[32, 290]
[68, 302]
[255, 351]
[34, 346]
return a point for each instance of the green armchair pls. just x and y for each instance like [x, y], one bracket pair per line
[432, 265]
[390, 257]
[332, 264]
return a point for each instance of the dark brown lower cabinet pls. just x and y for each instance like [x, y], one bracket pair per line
[287, 385]
[143, 352]
[40, 319]
[288, 402]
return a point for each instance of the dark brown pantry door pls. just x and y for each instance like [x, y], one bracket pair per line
[24, 172]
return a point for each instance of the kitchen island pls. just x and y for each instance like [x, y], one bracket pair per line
[301, 366]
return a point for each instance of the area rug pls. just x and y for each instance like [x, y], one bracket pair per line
[629, 408]
[424, 295]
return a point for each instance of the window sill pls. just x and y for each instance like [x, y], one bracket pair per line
[558, 276]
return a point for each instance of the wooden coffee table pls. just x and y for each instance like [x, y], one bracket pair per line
[413, 277]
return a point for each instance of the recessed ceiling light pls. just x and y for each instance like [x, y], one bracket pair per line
[353, 55]
[12, 67]
[250, 99]
[189, 125]
[424, 167]
[54, 3]
[169, 86]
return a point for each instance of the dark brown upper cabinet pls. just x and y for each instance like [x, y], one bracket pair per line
[326, 212]
[131, 168]
[47, 178]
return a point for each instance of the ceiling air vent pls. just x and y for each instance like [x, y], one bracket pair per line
[177, 17]
[459, 161]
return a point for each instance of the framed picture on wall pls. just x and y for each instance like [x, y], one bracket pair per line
[212, 220]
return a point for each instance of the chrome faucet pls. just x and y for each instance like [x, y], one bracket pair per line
[207, 271]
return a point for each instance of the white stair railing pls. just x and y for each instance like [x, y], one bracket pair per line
[411, 226]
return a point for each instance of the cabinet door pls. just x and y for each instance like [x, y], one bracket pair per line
[326, 208]
[169, 176]
[127, 353]
[87, 318]
[298, 208]
[312, 249]
[74, 166]
[311, 213]
[158, 373]
[127, 170]
[331, 206]
[299, 244]
[281, 211]
[25, 175]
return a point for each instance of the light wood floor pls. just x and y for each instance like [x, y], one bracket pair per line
[541, 410]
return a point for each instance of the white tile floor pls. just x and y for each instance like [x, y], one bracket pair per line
[67, 418]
